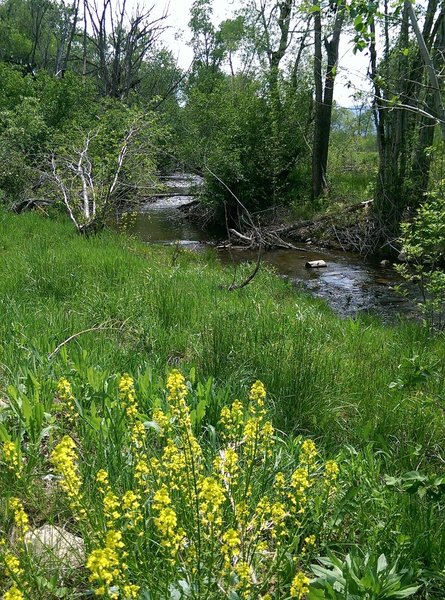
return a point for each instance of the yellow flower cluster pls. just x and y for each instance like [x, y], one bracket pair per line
[127, 396]
[12, 458]
[309, 544]
[231, 421]
[300, 586]
[257, 399]
[230, 548]
[161, 419]
[13, 594]
[166, 523]
[131, 508]
[331, 471]
[12, 564]
[227, 467]
[66, 398]
[231, 511]
[242, 569]
[64, 460]
[211, 498]
[177, 391]
[299, 484]
[20, 517]
[129, 402]
[308, 453]
[105, 565]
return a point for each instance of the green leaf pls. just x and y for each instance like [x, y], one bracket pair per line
[4, 435]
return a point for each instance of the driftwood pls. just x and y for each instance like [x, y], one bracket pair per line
[30, 204]
[263, 237]
[237, 286]
[310, 222]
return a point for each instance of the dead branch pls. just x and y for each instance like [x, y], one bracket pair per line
[237, 286]
[105, 326]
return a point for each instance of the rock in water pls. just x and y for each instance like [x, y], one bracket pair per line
[315, 264]
[55, 547]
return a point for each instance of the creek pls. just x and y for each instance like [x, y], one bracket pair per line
[350, 284]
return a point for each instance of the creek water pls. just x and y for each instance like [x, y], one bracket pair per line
[350, 284]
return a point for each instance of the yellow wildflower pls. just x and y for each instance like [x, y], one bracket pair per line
[64, 459]
[111, 505]
[309, 543]
[174, 466]
[308, 453]
[13, 594]
[257, 397]
[141, 470]
[166, 522]
[127, 396]
[66, 397]
[102, 480]
[230, 548]
[331, 471]
[105, 564]
[20, 517]
[299, 482]
[242, 569]
[12, 458]
[278, 514]
[138, 434]
[131, 591]
[211, 496]
[226, 465]
[231, 421]
[161, 419]
[176, 387]
[131, 508]
[300, 586]
[13, 568]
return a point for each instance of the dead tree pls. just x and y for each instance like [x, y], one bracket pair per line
[68, 26]
[121, 42]
[86, 192]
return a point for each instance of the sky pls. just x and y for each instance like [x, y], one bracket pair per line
[351, 67]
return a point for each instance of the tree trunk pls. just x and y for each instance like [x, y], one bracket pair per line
[324, 101]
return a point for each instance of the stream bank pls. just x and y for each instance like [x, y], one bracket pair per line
[350, 284]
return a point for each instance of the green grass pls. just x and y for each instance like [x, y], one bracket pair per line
[328, 378]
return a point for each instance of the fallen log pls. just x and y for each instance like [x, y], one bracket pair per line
[265, 238]
[29, 204]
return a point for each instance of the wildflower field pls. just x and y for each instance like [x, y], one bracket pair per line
[189, 442]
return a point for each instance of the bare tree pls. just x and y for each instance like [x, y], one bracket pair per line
[68, 25]
[121, 42]
[87, 192]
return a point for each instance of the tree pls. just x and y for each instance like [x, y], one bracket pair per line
[324, 91]
[101, 167]
[121, 44]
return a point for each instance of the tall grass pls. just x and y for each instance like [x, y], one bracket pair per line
[327, 376]
[371, 393]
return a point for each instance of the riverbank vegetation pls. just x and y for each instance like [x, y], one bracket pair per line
[94, 106]
[88, 310]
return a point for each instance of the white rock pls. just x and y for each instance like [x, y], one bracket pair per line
[56, 547]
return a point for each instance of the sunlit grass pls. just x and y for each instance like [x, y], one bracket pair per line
[369, 393]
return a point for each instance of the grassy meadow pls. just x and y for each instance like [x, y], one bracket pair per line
[181, 492]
